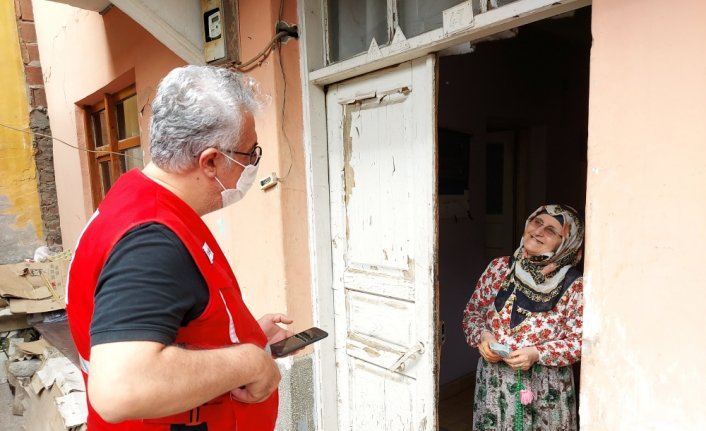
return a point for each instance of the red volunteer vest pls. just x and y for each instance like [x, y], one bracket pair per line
[133, 200]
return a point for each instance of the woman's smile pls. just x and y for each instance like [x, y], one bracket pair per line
[541, 235]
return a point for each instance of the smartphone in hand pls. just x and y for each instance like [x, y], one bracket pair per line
[500, 349]
[297, 341]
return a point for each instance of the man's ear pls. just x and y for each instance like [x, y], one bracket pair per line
[207, 162]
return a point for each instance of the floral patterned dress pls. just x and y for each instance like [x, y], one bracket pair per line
[557, 336]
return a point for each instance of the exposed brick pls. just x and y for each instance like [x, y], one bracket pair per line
[32, 52]
[33, 75]
[26, 11]
[44, 159]
[24, 52]
[18, 12]
[39, 97]
[27, 32]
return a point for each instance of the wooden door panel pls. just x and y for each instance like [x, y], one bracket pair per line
[381, 399]
[382, 164]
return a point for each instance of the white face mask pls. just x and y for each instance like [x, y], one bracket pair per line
[246, 180]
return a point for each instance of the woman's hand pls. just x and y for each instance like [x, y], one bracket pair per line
[274, 332]
[523, 359]
[484, 347]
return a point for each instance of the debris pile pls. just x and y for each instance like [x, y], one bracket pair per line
[37, 357]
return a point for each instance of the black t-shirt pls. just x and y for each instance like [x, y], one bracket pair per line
[149, 287]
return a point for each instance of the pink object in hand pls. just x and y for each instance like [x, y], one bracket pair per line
[526, 396]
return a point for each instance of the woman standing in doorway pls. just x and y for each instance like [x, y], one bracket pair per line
[531, 304]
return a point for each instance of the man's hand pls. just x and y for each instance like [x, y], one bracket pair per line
[264, 383]
[484, 347]
[274, 332]
[523, 359]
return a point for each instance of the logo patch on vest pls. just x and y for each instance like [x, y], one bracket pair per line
[209, 253]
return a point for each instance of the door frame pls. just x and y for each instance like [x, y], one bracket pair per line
[315, 75]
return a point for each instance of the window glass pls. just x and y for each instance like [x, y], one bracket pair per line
[126, 111]
[353, 24]
[131, 158]
[104, 173]
[99, 129]
[421, 16]
[117, 149]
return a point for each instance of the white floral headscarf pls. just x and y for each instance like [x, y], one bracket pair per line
[544, 273]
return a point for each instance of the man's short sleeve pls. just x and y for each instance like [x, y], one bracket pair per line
[149, 287]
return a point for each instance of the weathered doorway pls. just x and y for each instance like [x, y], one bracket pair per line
[340, 308]
[382, 174]
[520, 105]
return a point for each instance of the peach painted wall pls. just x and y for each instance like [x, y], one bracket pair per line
[83, 53]
[646, 210]
[265, 235]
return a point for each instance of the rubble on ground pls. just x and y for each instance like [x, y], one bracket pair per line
[35, 357]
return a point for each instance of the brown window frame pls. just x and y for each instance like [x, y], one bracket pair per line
[109, 151]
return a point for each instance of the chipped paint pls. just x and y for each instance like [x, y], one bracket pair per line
[21, 225]
[379, 146]
[370, 351]
[409, 272]
[348, 173]
[369, 343]
[388, 302]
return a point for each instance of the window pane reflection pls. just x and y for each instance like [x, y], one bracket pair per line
[126, 111]
[421, 16]
[353, 24]
[99, 129]
[131, 158]
[104, 173]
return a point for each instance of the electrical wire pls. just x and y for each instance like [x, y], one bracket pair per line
[238, 66]
[260, 56]
[284, 99]
[33, 133]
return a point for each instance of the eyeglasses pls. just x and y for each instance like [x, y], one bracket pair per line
[538, 223]
[255, 154]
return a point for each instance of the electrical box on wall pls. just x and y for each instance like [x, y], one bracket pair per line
[220, 30]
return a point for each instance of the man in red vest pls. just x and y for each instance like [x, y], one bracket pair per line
[165, 340]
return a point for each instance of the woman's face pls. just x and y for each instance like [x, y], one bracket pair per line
[542, 235]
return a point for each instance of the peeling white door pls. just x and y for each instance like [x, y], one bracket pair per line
[382, 164]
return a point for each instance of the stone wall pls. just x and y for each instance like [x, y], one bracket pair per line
[39, 123]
